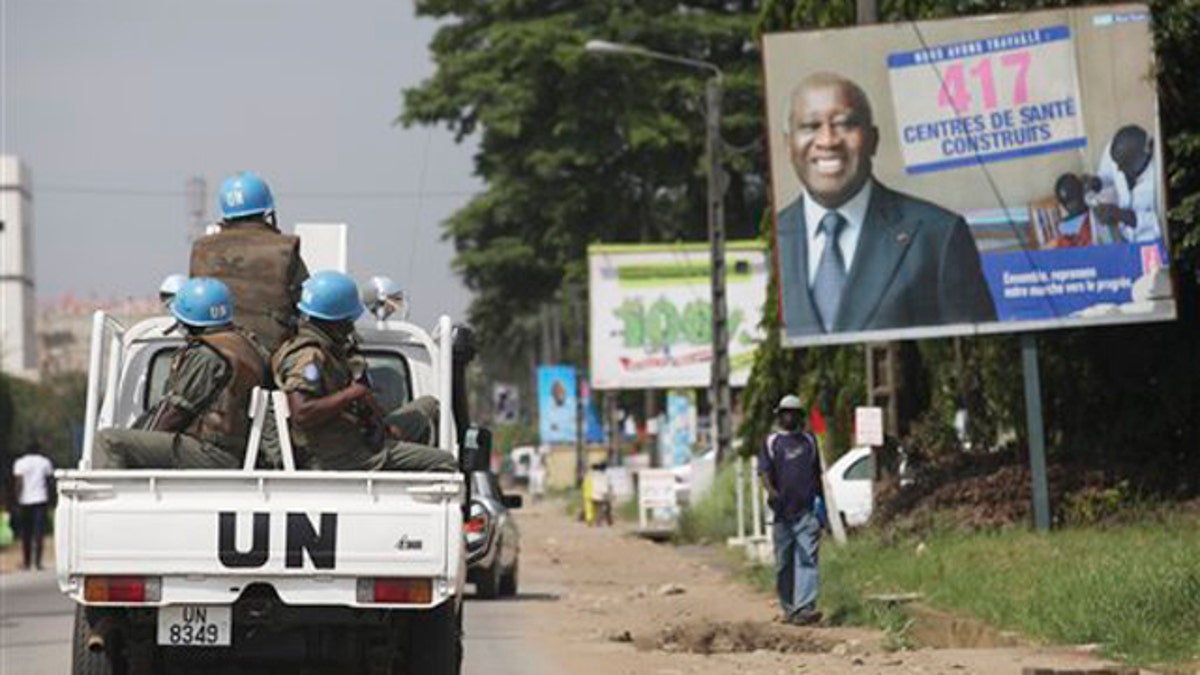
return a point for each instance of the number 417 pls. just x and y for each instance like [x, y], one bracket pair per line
[954, 94]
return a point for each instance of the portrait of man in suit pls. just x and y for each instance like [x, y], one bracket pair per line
[853, 254]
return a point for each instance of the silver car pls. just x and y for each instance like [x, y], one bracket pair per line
[493, 540]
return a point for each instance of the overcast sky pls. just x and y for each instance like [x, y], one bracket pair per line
[114, 104]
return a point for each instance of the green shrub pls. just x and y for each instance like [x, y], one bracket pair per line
[714, 517]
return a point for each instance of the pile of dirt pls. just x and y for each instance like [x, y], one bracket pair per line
[716, 637]
[984, 492]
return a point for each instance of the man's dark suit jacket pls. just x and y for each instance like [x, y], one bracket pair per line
[915, 265]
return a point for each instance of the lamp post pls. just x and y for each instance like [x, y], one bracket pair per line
[713, 90]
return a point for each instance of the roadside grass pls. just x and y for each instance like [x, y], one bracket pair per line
[1133, 588]
[571, 498]
[626, 511]
[713, 519]
[842, 601]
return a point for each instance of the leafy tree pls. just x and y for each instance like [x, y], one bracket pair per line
[578, 148]
[6, 410]
[50, 412]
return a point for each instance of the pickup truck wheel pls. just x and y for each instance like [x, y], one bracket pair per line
[489, 582]
[84, 662]
[435, 641]
[508, 582]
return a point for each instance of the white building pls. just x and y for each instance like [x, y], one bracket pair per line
[18, 349]
[65, 328]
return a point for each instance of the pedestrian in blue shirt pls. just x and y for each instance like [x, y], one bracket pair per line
[791, 473]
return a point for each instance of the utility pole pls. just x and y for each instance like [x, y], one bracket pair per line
[197, 196]
[719, 394]
[713, 90]
[882, 359]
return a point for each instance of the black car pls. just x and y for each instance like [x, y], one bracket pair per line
[493, 540]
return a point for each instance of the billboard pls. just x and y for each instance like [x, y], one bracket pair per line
[651, 313]
[556, 404]
[506, 403]
[979, 175]
[680, 434]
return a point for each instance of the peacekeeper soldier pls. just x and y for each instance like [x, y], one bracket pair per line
[261, 265]
[169, 288]
[336, 422]
[202, 420]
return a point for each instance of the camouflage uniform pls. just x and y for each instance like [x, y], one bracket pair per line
[316, 364]
[211, 379]
[262, 268]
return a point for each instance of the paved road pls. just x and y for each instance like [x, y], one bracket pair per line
[35, 625]
[36, 622]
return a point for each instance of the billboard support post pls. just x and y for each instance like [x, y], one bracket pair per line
[614, 428]
[580, 402]
[868, 11]
[1037, 439]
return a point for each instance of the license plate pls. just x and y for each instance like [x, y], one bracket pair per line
[195, 625]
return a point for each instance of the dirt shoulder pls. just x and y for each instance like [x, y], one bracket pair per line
[11, 557]
[620, 604]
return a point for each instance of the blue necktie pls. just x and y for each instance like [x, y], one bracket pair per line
[831, 271]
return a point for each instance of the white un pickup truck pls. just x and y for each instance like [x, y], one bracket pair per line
[238, 571]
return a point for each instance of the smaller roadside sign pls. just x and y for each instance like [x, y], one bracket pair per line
[868, 426]
[656, 489]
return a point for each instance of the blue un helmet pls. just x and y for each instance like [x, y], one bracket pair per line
[245, 194]
[203, 302]
[330, 295]
[170, 286]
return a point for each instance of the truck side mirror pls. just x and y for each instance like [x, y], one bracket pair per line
[477, 450]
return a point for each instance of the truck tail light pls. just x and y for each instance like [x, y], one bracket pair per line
[122, 589]
[396, 591]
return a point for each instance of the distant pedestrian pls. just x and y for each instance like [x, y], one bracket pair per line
[791, 473]
[601, 495]
[33, 473]
[537, 472]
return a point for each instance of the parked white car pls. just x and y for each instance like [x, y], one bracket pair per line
[522, 458]
[849, 479]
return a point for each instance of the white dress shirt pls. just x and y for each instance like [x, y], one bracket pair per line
[1141, 197]
[853, 211]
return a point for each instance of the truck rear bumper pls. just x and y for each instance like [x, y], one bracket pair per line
[265, 629]
[291, 593]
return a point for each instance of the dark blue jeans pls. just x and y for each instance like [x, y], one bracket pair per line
[796, 544]
[33, 530]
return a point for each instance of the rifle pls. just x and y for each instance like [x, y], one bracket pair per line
[367, 410]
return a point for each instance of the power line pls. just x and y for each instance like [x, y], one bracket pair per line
[143, 192]
[416, 230]
[981, 162]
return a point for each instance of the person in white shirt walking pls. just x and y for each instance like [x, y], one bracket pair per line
[33, 473]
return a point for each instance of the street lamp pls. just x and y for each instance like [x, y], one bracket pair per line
[719, 385]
